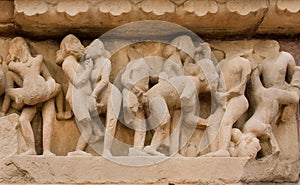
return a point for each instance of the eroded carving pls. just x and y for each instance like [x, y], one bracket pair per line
[36, 89]
[255, 87]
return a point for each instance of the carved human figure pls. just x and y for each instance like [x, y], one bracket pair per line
[243, 145]
[37, 86]
[234, 74]
[277, 69]
[108, 97]
[79, 90]
[168, 95]
[179, 52]
[135, 80]
[266, 102]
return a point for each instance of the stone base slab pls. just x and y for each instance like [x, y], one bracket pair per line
[98, 170]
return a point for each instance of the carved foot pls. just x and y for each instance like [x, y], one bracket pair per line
[152, 151]
[79, 153]
[48, 153]
[136, 151]
[219, 153]
[64, 115]
[106, 153]
[28, 152]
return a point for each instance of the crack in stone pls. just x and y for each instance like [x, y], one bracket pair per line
[256, 27]
[23, 174]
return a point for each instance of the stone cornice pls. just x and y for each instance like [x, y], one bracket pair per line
[45, 18]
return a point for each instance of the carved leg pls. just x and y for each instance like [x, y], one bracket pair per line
[175, 128]
[11, 77]
[113, 108]
[214, 128]
[189, 107]
[61, 115]
[234, 109]
[26, 130]
[86, 132]
[160, 134]
[48, 113]
[139, 125]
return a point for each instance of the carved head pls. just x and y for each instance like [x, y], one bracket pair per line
[95, 49]
[185, 44]
[70, 45]
[18, 50]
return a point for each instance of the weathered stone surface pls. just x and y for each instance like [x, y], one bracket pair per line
[7, 11]
[8, 136]
[99, 170]
[215, 17]
[282, 17]
[205, 17]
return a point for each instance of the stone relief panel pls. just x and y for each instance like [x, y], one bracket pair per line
[147, 96]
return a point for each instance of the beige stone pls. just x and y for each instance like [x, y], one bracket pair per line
[7, 11]
[98, 170]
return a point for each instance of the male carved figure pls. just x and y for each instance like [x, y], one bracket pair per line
[135, 79]
[169, 95]
[277, 69]
[107, 95]
[266, 103]
[234, 74]
[37, 87]
[79, 90]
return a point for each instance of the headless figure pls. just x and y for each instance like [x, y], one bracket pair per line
[235, 72]
[135, 79]
[266, 102]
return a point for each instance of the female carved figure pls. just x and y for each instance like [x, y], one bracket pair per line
[79, 90]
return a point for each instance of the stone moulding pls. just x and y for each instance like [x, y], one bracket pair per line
[215, 17]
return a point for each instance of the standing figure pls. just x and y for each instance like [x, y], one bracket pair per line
[234, 74]
[135, 80]
[37, 87]
[108, 97]
[79, 91]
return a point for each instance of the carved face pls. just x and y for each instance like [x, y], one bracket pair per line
[95, 49]
[18, 50]
[70, 45]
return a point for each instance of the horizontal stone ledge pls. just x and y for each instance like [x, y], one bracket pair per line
[216, 18]
[93, 18]
[79, 169]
